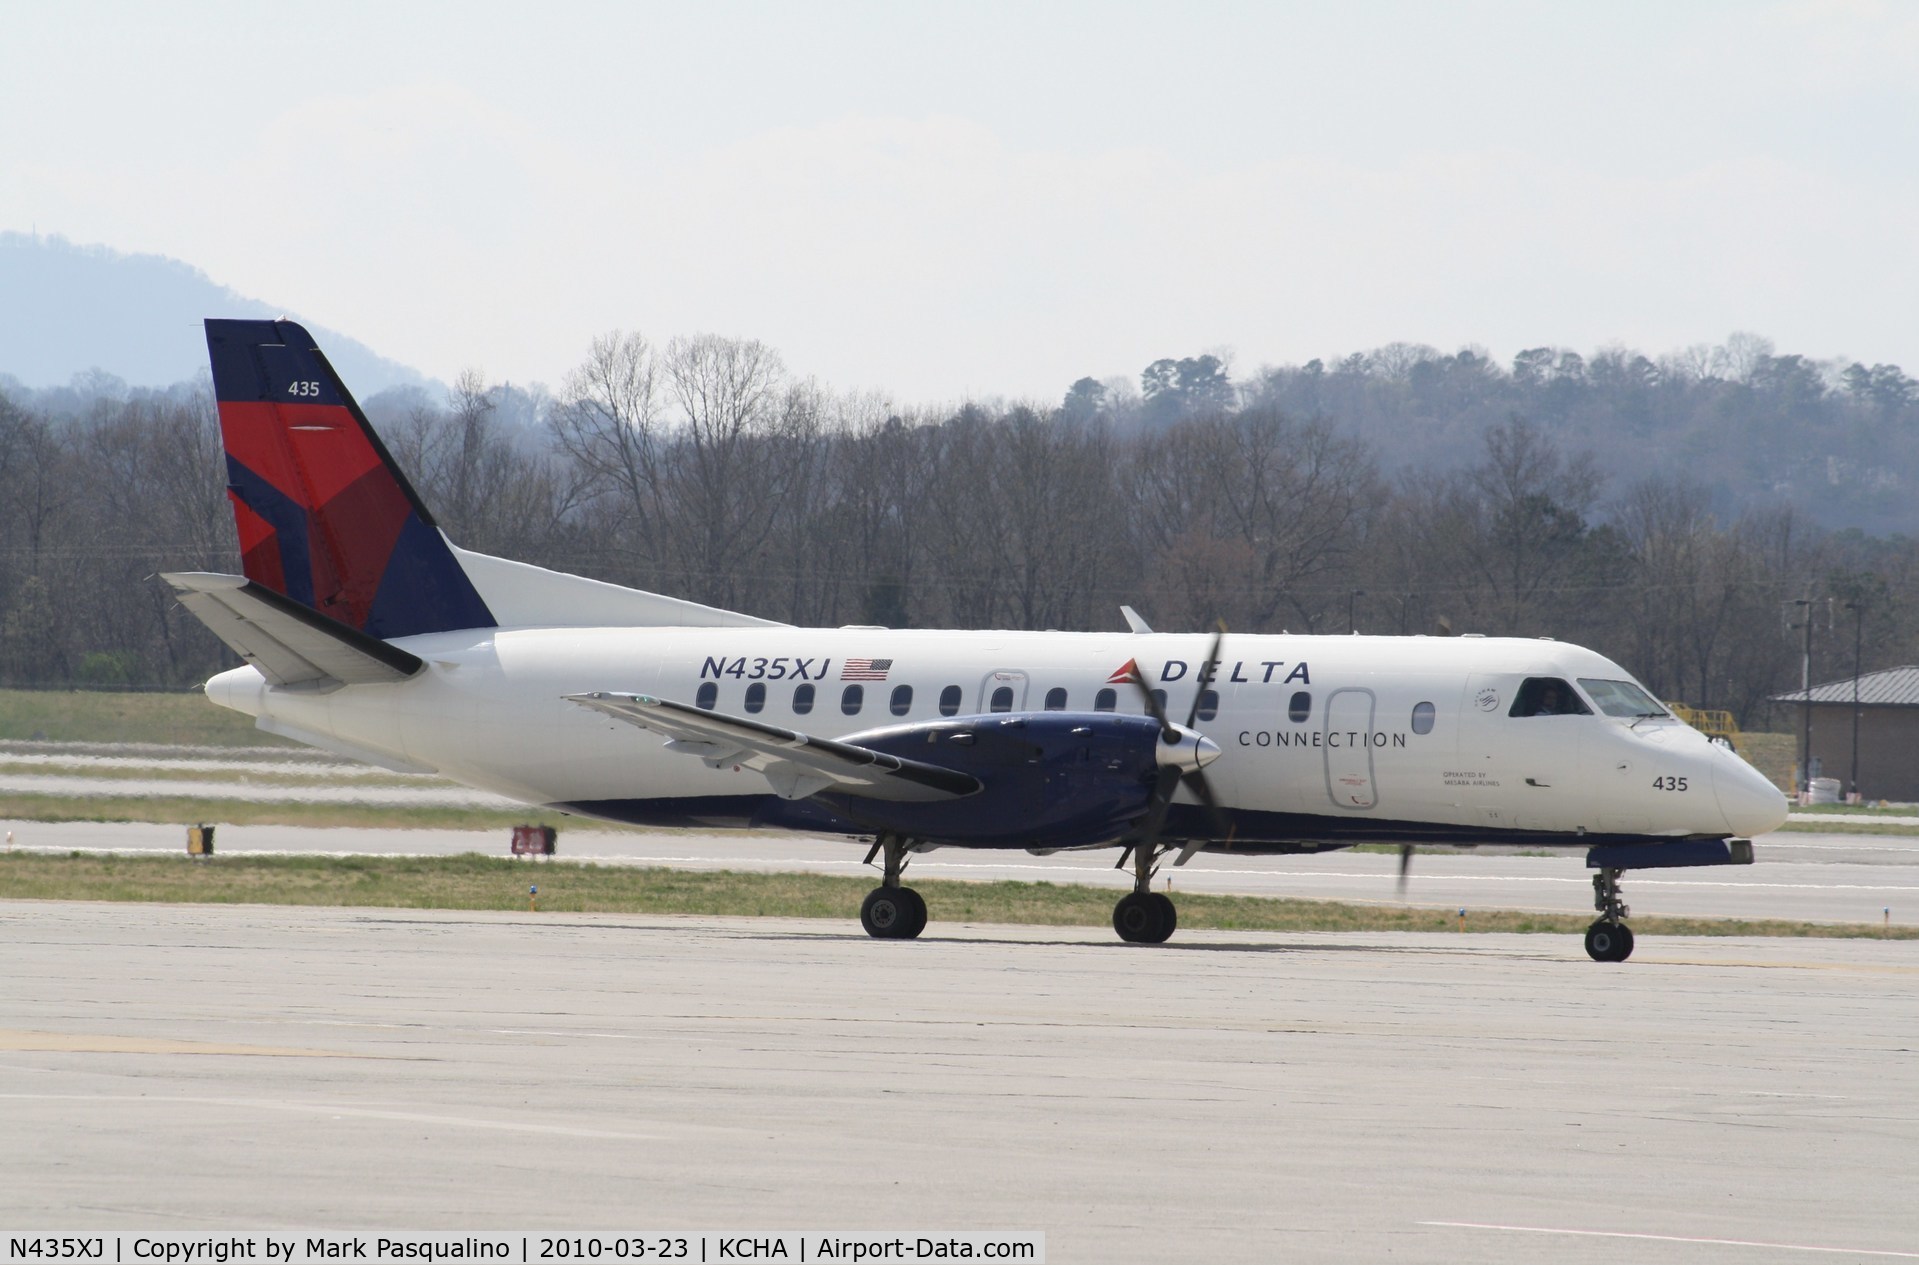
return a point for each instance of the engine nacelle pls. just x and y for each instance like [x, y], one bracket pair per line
[1070, 778]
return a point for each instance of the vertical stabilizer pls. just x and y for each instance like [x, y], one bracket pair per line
[325, 516]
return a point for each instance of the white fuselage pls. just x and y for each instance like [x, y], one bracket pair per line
[1393, 729]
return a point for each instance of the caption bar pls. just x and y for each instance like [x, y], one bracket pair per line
[400, 1247]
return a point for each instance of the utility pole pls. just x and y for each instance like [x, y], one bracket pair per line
[1352, 598]
[1858, 610]
[1805, 703]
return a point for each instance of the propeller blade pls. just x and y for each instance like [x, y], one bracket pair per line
[1151, 700]
[1164, 788]
[1198, 784]
[1405, 865]
[1210, 661]
[1155, 820]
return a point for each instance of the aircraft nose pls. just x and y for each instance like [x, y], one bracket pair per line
[1750, 803]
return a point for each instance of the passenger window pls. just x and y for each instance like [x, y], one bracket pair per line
[756, 696]
[1423, 718]
[1208, 704]
[1105, 700]
[709, 694]
[1159, 696]
[1056, 699]
[950, 701]
[852, 699]
[802, 699]
[1300, 708]
[1547, 696]
[902, 700]
[1002, 699]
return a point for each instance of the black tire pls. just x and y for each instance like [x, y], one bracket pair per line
[1139, 918]
[1168, 916]
[886, 914]
[1609, 942]
[916, 911]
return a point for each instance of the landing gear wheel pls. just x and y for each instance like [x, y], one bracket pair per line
[893, 913]
[917, 908]
[1609, 941]
[1169, 914]
[1144, 917]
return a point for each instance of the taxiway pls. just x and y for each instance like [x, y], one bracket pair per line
[1229, 1097]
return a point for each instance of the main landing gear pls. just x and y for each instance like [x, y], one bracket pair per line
[1609, 939]
[892, 911]
[1144, 916]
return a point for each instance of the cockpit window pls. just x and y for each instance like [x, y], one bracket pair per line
[1548, 696]
[1622, 698]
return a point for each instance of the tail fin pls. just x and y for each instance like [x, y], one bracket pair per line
[325, 516]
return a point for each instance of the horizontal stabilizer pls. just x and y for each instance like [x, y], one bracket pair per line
[289, 643]
[796, 765]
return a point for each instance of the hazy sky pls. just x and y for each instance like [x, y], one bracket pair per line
[941, 199]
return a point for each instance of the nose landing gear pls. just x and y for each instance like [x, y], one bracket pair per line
[1609, 939]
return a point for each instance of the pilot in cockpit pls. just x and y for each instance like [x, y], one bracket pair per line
[1547, 696]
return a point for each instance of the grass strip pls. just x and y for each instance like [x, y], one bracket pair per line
[188, 810]
[250, 773]
[1863, 811]
[497, 883]
[184, 719]
[1860, 827]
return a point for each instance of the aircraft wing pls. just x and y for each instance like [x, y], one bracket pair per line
[287, 642]
[796, 764]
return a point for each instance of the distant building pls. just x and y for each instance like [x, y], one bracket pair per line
[1888, 731]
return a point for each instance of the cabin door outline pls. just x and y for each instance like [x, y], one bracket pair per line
[1347, 735]
[1000, 678]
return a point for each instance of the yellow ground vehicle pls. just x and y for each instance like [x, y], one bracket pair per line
[1714, 724]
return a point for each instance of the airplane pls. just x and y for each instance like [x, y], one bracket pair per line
[367, 633]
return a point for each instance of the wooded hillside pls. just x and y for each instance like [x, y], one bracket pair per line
[1666, 514]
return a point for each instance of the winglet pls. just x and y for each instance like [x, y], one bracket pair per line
[1133, 621]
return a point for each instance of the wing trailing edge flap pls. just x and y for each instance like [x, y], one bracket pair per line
[289, 644]
[794, 764]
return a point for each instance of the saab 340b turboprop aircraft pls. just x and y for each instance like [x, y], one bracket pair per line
[366, 632]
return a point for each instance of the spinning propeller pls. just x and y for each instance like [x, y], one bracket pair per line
[1176, 765]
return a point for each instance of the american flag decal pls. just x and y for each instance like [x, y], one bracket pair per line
[865, 669]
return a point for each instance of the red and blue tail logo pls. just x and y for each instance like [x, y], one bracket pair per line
[325, 517]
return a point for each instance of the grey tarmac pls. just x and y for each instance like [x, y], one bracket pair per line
[1229, 1097]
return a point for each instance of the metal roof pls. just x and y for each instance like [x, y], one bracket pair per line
[1888, 687]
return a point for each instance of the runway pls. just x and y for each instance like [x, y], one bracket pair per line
[1230, 1097]
[1807, 877]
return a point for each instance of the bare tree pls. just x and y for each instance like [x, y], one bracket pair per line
[1269, 507]
[608, 423]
